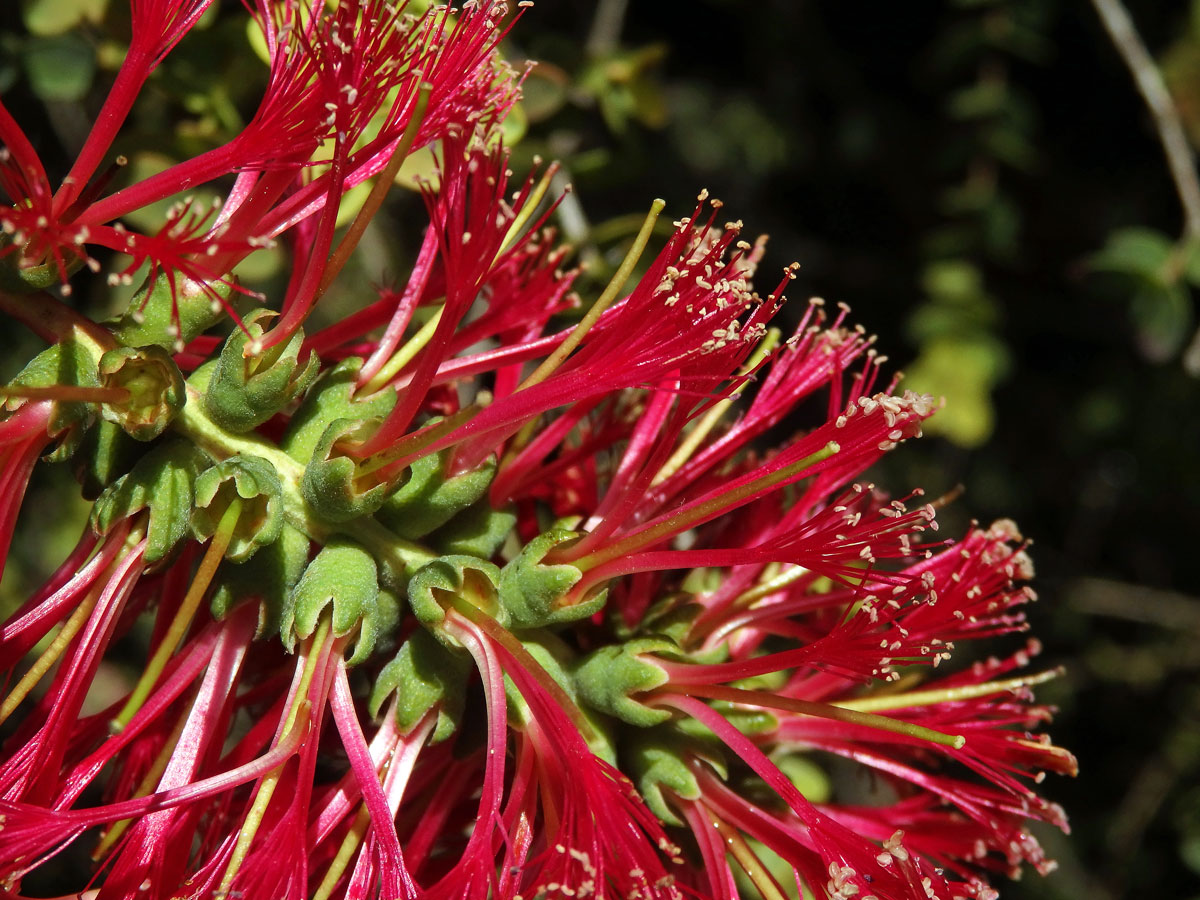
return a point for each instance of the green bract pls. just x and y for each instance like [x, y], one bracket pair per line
[105, 454]
[332, 398]
[333, 482]
[244, 391]
[435, 583]
[532, 593]
[608, 678]
[422, 675]
[74, 362]
[478, 531]
[345, 576]
[155, 387]
[256, 482]
[161, 483]
[267, 578]
[428, 499]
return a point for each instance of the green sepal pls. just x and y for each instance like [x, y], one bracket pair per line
[554, 656]
[424, 674]
[155, 386]
[480, 531]
[69, 362]
[342, 574]
[607, 678]
[243, 392]
[256, 482]
[330, 483]
[268, 577]
[161, 482]
[532, 592]
[105, 453]
[19, 279]
[330, 399]
[656, 758]
[428, 500]
[464, 576]
[150, 319]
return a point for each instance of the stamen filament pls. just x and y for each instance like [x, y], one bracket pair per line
[767, 700]
[51, 654]
[345, 852]
[266, 789]
[513, 645]
[66, 393]
[528, 209]
[946, 695]
[687, 518]
[563, 350]
[145, 787]
[709, 420]
[379, 190]
[183, 616]
[745, 856]
[404, 355]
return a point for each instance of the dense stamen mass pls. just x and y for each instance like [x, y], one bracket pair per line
[469, 594]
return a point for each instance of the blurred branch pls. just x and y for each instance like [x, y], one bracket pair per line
[1136, 603]
[606, 27]
[1146, 75]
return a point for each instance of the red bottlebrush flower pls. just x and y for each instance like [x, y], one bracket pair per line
[442, 602]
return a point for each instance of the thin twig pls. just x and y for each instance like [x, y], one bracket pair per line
[606, 27]
[1150, 84]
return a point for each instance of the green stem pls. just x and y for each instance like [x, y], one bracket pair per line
[392, 551]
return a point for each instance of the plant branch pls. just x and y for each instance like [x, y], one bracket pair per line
[1146, 75]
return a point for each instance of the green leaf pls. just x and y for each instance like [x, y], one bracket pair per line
[1141, 252]
[1162, 315]
[60, 68]
[161, 483]
[53, 17]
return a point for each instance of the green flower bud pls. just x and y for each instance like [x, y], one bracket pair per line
[169, 312]
[332, 482]
[156, 390]
[424, 674]
[343, 575]
[428, 499]
[453, 576]
[243, 392]
[256, 483]
[479, 531]
[267, 578]
[532, 593]
[161, 482]
[607, 679]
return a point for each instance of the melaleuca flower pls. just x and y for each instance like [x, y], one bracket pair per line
[448, 599]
